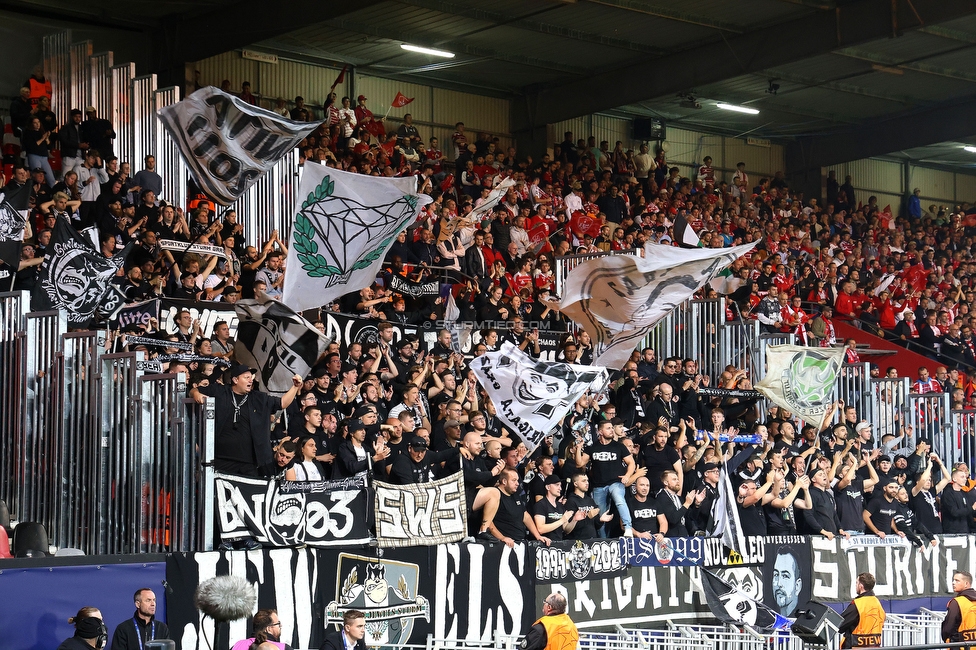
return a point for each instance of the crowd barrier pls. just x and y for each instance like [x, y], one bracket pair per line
[108, 459]
[80, 78]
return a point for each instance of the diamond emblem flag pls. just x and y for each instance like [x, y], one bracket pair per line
[227, 143]
[344, 225]
[801, 379]
[531, 396]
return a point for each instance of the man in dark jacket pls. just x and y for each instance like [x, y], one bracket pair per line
[957, 505]
[415, 465]
[352, 635]
[133, 634]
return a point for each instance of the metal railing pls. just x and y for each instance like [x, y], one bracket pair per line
[563, 265]
[80, 78]
[109, 460]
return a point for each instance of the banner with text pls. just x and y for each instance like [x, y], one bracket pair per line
[291, 513]
[421, 514]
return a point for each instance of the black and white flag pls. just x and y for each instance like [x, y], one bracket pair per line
[277, 341]
[77, 278]
[617, 299]
[344, 225]
[421, 514]
[14, 204]
[227, 143]
[531, 396]
[730, 604]
[684, 234]
[725, 515]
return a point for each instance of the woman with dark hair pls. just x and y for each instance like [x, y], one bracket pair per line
[267, 629]
[307, 468]
[90, 631]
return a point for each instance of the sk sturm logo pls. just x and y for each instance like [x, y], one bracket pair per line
[384, 590]
[75, 283]
[352, 235]
[809, 379]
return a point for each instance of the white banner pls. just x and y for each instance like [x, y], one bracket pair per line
[531, 396]
[421, 514]
[801, 379]
[203, 249]
[227, 143]
[344, 224]
[276, 341]
[617, 299]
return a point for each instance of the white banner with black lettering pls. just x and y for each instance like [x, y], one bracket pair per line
[202, 249]
[531, 396]
[227, 143]
[617, 299]
[291, 513]
[421, 514]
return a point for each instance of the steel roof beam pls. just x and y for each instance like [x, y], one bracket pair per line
[726, 57]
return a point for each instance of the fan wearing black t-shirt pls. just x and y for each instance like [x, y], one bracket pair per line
[612, 468]
[648, 523]
[509, 522]
[579, 501]
[881, 511]
[551, 517]
[657, 456]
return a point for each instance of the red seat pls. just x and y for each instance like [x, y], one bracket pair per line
[4, 545]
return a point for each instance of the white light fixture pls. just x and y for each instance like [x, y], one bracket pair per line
[738, 109]
[427, 50]
[969, 149]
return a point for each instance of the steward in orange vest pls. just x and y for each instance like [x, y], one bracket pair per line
[864, 618]
[555, 630]
[960, 621]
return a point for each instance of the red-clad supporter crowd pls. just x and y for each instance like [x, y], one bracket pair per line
[640, 459]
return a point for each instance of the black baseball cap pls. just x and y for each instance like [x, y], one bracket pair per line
[418, 443]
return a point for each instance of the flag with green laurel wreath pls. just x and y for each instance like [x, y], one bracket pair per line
[801, 379]
[344, 225]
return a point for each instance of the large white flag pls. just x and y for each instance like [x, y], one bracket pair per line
[619, 298]
[801, 379]
[344, 224]
[277, 342]
[227, 143]
[531, 396]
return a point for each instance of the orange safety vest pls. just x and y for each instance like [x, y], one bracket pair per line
[39, 89]
[871, 618]
[561, 632]
[967, 626]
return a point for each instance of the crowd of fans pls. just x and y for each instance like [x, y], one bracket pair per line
[640, 459]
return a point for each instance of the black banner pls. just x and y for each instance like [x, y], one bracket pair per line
[208, 313]
[194, 358]
[137, 314]
[407, 287]
[579, 560]
[291, 513]
[483, 591]
[787, 576]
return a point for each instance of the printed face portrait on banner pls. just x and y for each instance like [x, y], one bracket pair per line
[786, 574]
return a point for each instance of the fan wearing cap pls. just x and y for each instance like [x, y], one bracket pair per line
[355, 456]
[551, 517]
[419, 464]
[243, 417]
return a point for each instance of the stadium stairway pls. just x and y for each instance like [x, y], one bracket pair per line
[906, 361]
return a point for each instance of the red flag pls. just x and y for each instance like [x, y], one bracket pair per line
[539, 236]
[917, 276]
[583, 223]
[376, 128]
[401, 100]
[448, 183]
[340, 78]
